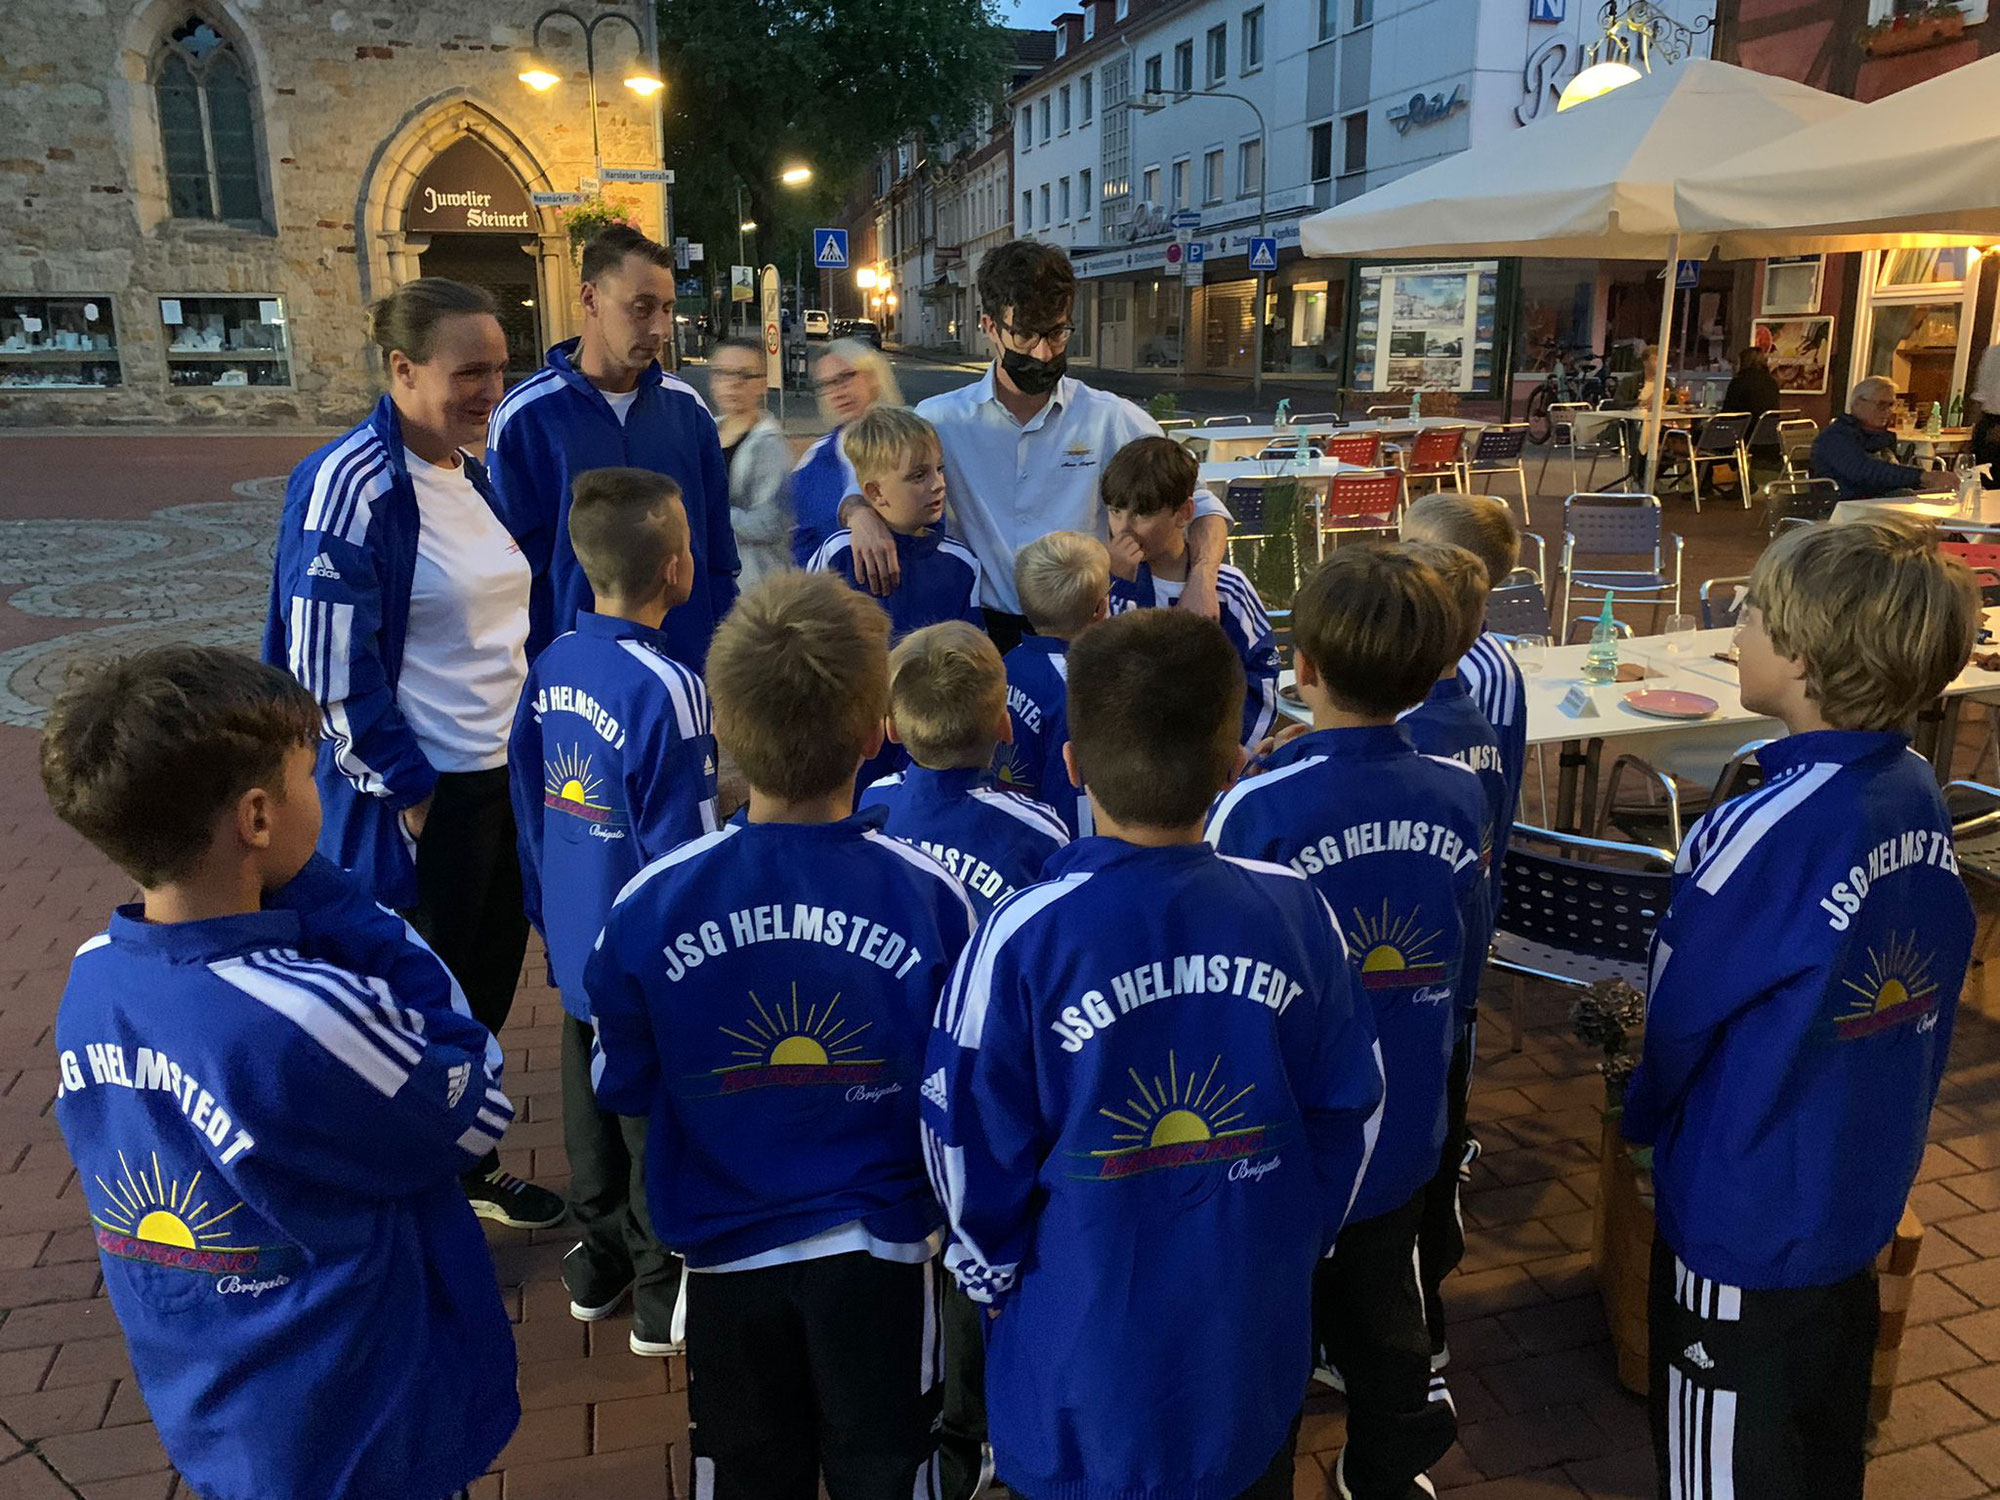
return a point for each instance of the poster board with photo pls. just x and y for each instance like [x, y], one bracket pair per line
[1799, 350]
[1429, 326]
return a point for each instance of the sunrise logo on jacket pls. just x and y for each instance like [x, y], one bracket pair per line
[568, 786]
[1393, 951]
[804, 1046]
[1896, 987]
[155, 1219]
[1177, 1121]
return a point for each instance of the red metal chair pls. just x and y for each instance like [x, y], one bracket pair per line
[1973, 554]
[1363, 448]
[1366, 501]
[1435, 453]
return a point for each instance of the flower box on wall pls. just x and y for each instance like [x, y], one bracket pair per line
[1913, 34]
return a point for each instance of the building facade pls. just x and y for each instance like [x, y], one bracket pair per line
[203, 196]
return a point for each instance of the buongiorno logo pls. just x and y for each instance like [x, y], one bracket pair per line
[1179, 1119]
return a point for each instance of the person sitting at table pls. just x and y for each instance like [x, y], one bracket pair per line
[1984, 445]
[1753, 389]
[1849, 451]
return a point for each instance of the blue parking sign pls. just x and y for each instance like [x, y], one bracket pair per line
[830, 249]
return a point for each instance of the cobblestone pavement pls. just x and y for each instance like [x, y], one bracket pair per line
[109, 543]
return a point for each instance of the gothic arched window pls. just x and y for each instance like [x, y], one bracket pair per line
[208, 127]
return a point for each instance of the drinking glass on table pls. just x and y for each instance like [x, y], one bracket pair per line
[1528, 651]
[1676, 641]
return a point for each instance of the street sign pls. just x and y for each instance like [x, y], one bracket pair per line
[1197, 252]
[556, 200]
[1176, 257]
[1687, 274]
[639, 174]
[742, 284]
[696, 250]
[1185, 218]
[774, 365]
[1263, 252]
[1195, 271]
[830, 249]
[681, 253]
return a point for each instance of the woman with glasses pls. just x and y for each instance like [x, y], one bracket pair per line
[849, 378]
[759, 459]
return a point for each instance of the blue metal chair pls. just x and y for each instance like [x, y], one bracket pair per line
[1518, 609]
[1723, 438]
[1499, 451]
[1608, 442]
[1577, 910]
[1225, 422]
[1614, 528]
[1722, 602]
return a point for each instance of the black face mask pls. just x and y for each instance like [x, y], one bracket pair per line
[1031, 376]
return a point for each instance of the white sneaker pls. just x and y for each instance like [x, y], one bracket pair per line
[1331, 1378]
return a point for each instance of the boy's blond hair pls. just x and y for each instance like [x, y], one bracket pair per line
[947, 695]
[1482, 524]
[798, 675]
[1880, 617]
[1465, 581]
[1063, 578]
[885, 440]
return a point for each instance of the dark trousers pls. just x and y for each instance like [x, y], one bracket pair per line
[1368, 1320]
[469, 903]
[1765, 1391]
[824, 1366]
[1005, 630]
[962, 1441]
[607, 1189]
[1441, 1235]
[1275, 1483]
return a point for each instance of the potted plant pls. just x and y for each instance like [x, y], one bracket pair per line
[584, 220]
[1910, 30]
[1162, 407]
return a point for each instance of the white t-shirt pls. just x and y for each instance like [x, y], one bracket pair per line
[621, 402]
[1167, 591]
[465, 658]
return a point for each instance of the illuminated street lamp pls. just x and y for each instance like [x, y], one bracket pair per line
[796, 176]
[864, 277]
[540, 77]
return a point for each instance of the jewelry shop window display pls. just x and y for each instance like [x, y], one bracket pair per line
[226, 341]
[58, 343]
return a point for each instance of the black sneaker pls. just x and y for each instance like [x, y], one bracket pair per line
[506, 1199]
[1420, 1488]
[649, 1342]
[1472, 1150]
[594, 1291]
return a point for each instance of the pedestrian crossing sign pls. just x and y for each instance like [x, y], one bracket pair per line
[830, 249]
[1263, 252]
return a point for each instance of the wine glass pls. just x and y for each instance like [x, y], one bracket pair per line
[1677, 641]
[1528, 651]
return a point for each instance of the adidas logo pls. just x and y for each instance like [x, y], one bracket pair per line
[322, 567]
[933, 1089]
[708, 766]
[455, 1081]
[1697, 1356]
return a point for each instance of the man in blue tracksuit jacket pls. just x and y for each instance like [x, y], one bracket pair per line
[1392, 840]
[1152, 1072]
[602, 401]
[1803, 985]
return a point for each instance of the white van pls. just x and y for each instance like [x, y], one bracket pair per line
[817, 326]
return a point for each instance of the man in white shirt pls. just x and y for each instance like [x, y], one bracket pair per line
[1025, 445]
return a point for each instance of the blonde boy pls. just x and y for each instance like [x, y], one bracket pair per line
[1803, 987]
[1064, 582]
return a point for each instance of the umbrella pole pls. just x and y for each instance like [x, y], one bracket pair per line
[1655, 416]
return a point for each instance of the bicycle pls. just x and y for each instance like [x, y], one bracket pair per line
[1577, 375]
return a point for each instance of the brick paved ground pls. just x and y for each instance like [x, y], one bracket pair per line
[1542, 1416]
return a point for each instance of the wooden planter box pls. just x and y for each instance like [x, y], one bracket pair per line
[1621, 1249]
[1914, 37]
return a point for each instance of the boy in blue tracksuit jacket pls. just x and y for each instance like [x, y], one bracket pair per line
[1149, 494]
[1149, 1067]
[762, 996]
[948, 709]
[602, 401]
[1803, 984]
[1391, 840]
[1449, 724]
[270, 1087]
[1064, 581]
[899, 468]
[612, 764]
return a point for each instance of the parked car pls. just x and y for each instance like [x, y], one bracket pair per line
[866, 329]
[817, 326]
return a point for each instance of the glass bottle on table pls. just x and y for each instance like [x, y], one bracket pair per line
[1600, 663]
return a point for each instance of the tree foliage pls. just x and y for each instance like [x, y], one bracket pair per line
[755, 86]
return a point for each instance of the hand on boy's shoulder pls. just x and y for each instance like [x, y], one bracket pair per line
[873, 548]
[1199, 597]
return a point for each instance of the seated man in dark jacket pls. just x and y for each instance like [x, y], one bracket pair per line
[1850, 451]
[1753, 389]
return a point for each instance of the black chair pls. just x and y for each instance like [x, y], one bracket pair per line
[1722, 602]
[1662, 820]
[1798, 502]
[1719, 440]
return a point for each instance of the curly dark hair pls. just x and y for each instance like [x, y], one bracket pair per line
[1027, 284]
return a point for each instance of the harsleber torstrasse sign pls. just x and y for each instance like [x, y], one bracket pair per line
[466, 188]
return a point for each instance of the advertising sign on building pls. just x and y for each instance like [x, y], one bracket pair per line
[1427, 327]
[467, 189]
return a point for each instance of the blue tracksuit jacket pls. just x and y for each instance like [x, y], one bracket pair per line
[1803, 987]
[611, 765]
[821, 481]
[1492, 680]
[552, 427]
[1149, 1098]
[994, 840]
[1450, 724]
[1038, 703]
[1249, 630]
[940, 578]
[268, 1114]
[1391, 839]
[762, 996]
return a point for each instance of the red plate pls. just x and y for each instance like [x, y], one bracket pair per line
[1670, 703]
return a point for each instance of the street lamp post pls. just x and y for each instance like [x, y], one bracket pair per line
[541, 78]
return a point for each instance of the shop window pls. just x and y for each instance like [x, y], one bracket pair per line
[208, 127]
[226, 341]
[1915, 320]
[1920, 268]
[58, 343]
[1916, 345]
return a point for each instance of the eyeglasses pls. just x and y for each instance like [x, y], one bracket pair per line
[720, 374]
[1025, 339]
[834, 382]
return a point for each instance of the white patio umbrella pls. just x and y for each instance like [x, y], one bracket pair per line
[1594, 181]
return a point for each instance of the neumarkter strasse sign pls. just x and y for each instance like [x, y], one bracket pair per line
[467, 189]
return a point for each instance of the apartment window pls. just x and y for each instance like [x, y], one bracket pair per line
[1184, 68]
[1319, 151]
[1083, 92]
[1153, 74]
[1062, 110]
[1084, 203]
[1329, 18]
[1354, 157]
[1211, 177]
[1249, 168]
[1181, 199]
[1364, 12]
[1149, 185]
[1045, 205]
[1062, 201]
[1253, 40]
[1045, 119]
[1089, 22]
[1124, 10]
[1028, 210]
[1062, 39]
[1218, 54]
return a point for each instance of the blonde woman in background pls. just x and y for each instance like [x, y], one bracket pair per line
[850, 377]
